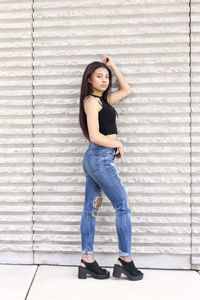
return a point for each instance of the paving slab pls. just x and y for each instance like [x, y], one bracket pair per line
[15, 281]
[62, 283]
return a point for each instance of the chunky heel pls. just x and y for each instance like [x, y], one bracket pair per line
[82, 273]
[117, 271]
[127, 268]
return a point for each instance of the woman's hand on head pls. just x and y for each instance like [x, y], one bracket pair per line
[107, 60]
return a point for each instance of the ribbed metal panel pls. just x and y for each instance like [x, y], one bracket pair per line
[16, 132]
[149, 42]
[195, 93]
[42, 62]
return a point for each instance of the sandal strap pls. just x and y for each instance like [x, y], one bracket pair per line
[94, 267]
[129, 266]
[125, 263]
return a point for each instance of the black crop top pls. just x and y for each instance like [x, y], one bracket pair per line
[107, 118]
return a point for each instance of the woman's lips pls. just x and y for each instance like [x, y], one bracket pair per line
[103, 85]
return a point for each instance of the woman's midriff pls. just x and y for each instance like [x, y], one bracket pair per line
[112, 136]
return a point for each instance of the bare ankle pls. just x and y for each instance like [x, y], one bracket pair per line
[126, 258]
[88, 258]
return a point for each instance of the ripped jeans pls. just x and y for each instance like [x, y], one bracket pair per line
[101, 175]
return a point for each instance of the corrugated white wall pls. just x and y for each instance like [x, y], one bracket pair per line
[16, 144]
[195, 131]
[150, 43]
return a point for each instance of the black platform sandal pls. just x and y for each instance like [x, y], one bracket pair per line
[93, 269]
[128, 269]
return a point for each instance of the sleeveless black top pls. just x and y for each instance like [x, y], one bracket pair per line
[107, 118]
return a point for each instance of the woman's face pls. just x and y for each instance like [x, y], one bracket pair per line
[100, 80]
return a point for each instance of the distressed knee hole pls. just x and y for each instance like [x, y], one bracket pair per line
[94, 214]
[97, 202]
[129, 204]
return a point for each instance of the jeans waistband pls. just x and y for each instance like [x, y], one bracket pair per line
[93, 145]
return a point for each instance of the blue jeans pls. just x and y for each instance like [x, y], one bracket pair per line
[101, 175]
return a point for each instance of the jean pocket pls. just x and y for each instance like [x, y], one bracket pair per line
[92, 163]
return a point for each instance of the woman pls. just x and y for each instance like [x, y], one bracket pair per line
[97, 119]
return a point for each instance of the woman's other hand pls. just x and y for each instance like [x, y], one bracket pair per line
[107, 60]
[120, 151]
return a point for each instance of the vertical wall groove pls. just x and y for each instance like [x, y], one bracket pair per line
[33, 128]
[190, 133]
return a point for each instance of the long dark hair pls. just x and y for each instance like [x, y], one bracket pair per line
[86, 89]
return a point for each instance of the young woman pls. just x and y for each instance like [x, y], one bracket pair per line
[97, 118]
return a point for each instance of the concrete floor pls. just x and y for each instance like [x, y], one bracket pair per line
[47, 282]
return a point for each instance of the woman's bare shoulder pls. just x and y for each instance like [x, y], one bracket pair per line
[92, 100]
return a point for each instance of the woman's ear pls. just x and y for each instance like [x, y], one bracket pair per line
[89, 79]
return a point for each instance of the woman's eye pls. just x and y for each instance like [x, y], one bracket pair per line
[100, 77]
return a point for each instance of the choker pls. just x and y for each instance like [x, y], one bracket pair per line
[96, 96]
